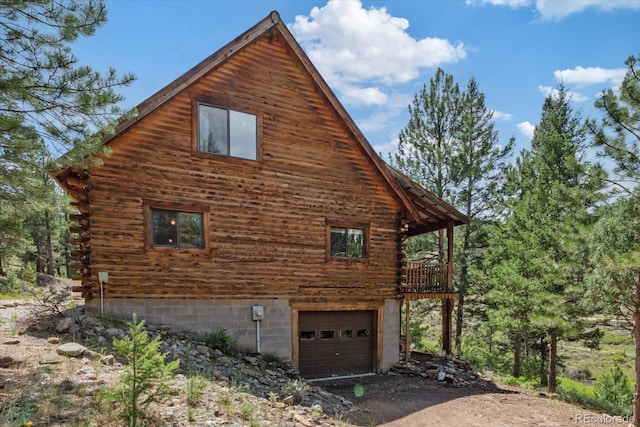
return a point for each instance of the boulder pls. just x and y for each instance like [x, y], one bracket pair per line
[71, 349]
[65, 324]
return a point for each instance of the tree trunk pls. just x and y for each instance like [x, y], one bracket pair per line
[441, 246]
[2, 272]
[67, 255]
[516, 357]
[553, 355]
[447, 311]
[463, 283]
[459, 314]
[636, 336]
[544, 378]
[49, 248]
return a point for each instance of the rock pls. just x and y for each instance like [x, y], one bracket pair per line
[53, 340]
[10, 341]
[302, 420]
[6, 361]
[88, 372]
[65, 324]
[91, 354]
[49, 359]
[251, 360]
[114, 332]
[108, 360]
[71, 349]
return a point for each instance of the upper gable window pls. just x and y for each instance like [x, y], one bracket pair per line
[227, 132]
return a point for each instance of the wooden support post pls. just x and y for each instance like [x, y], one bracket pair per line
[450, 255]
[407, 335]
[446, 325]
[447, 303]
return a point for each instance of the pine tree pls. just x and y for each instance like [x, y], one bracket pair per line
[615, 280]
[478, 168]
[146, 377]
[49, 104]
[618, 136]
[557, 188]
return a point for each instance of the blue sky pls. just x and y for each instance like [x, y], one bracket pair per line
[376, 55]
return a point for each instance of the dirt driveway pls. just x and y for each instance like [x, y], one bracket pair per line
[401, 400]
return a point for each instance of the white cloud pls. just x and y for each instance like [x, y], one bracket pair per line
[511, 3]
[556, 10]
[592, 75]
[499, 115]
[387, 149]
[350, 44]
[361, 96]
[389, 118]
[572, 95]
[526, 129]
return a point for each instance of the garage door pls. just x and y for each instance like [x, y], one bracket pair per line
[334, 343]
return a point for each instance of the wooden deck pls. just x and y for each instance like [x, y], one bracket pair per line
[425, 277]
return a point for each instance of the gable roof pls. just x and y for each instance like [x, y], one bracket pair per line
[433, 210]
[422, 210]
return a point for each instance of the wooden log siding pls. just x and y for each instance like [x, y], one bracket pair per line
[267, 218]
[426, 277]
[79, 187]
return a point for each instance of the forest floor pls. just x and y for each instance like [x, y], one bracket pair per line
[387, 400]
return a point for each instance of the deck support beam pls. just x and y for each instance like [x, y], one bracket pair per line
[407, 323]
[447, 304]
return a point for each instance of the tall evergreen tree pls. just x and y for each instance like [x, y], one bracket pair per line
[425, 151]
[618, 136]
[478, 168]
[426, 144]
[557, 189]
[48, 103]
[615, 279]
[615, 241]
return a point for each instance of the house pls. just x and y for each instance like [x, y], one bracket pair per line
[242, 196]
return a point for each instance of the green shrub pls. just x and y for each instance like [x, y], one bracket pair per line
[10, 286]
[614, 391]
[29, 274]
[272, 359]
[219, 339]
[146, 378]
[194, 392]
[577, 393]
[578, 373]
[296, 389]
[617, 338]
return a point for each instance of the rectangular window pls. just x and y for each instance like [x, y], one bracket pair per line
[226, 132]
[347, 242]
[176, 225]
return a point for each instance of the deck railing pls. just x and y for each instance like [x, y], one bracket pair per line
[425, 277]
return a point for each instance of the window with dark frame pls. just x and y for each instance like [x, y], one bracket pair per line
[176, 229]
[226, 132]
[347, 242]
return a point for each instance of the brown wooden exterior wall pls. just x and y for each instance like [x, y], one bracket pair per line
[267, 218]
